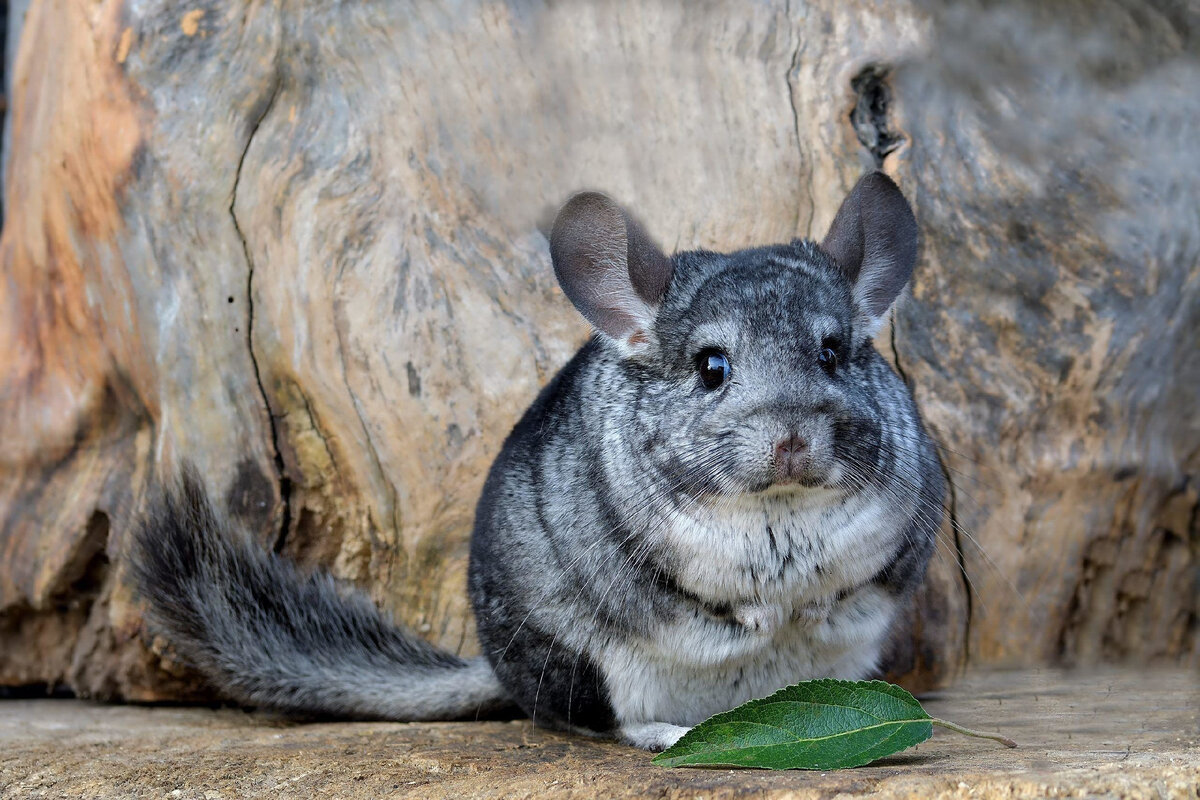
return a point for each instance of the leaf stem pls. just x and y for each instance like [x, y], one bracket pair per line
[1004, 740]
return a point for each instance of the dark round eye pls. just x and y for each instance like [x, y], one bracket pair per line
[713, 366]
[827, 359]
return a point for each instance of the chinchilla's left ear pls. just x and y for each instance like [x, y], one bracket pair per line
[609, 268]
[873, 239]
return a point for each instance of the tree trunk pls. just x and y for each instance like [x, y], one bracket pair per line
[301, 245]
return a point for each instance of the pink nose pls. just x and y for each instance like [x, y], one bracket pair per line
[789, 453]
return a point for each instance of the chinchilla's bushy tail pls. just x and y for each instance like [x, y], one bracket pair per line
[269, 635]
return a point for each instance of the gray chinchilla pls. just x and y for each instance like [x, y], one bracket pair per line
[725, 491]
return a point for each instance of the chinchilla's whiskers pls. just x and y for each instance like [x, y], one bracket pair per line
[559, 628]
[901, 457]
[905, 476]
[726, 491]
[708, 467]
[896, 472]
[646, 547]
[626, 575]
[944, 462]
[631, 570]
[542, 677]
[863, 475]
[661, 493]
[946, 547]
[939, 459]
[917, 439]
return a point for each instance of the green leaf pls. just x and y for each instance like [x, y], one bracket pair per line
[822, 724]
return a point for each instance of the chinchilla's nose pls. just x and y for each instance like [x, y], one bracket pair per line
[790, 454]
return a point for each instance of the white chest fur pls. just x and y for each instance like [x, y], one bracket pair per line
[782, 548]
[792, 566]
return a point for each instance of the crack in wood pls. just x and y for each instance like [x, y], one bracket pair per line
[285, 483]
[793, 66]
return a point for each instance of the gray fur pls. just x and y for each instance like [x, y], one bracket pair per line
[637, 559]
[643, 555]
[269, 635]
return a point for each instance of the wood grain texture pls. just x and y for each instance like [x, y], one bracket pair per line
[302, 244]
[1053, 336]
[1063, 723]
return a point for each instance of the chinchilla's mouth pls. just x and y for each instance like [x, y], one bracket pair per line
[790, 484]
[794, 475]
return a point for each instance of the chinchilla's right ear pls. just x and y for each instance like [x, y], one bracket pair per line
[873, 239]
[609, 268]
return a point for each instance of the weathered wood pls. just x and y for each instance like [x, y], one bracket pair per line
[1053, 336]
[1129, 734]
[298, 244]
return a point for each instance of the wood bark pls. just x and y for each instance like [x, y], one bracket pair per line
[302, 245]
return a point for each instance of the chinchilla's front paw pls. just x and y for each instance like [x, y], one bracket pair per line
[652, 736]
[760, 619]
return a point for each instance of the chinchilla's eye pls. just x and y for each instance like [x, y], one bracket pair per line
[713, 366]
[827, 358]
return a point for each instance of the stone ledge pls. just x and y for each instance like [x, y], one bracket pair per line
[1129, 733]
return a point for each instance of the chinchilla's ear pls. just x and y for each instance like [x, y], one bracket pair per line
[873, 239]
[609, 268]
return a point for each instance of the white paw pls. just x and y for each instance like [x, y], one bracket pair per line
[759, 619]
[653, 736]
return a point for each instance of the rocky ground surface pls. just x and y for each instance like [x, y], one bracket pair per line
[1129, 734]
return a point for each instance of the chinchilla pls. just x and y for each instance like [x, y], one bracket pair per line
[725, 491]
